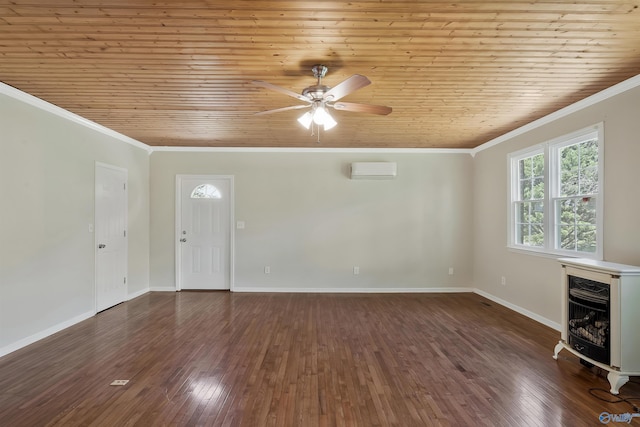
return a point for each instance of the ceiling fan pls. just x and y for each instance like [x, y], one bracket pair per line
[320, 97]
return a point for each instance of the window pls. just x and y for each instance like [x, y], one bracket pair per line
[556, 196]
[529, 203]
[205, 191]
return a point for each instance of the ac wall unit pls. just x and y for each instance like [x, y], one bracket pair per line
[373, 170]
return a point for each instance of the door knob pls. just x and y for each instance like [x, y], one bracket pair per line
[183, 240]
[102, 246]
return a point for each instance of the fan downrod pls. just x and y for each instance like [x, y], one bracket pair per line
[317, 91]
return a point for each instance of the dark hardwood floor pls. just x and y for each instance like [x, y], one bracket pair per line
[218, 358]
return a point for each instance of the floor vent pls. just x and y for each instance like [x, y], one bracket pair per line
[119, 382]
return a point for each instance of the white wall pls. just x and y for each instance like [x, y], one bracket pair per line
[533, 282]
[47, 165]
[311, 224]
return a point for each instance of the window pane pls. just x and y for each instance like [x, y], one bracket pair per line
[567, 238]
[569, 182]
[523, 213]
[525, 168]
[586, 238]
[529, 226]
[531, 235]
[589, 153]
[579, 169]
[531, 182]
[530, 212]
[538, 188]
[576, 224]
[205, 191]
[525, 189]
[589, 181]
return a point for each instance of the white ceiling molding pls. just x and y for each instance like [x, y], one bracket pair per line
[570, 109]
[315, 150]
[68, 115]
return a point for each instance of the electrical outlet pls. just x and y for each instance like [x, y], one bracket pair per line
[503, 280]
[267, 269]
[356, 270]
[450, 271]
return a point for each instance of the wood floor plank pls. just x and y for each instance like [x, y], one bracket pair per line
[226, 359]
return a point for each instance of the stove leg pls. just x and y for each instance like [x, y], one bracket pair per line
[617, 380]
[557, 350]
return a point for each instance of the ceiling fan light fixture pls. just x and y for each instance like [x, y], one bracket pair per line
[319, 97]
[329, 122]
[305, 119]
[319, 115]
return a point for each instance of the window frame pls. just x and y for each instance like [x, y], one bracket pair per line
[551, 152]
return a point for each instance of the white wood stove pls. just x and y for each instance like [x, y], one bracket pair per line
[601, 316]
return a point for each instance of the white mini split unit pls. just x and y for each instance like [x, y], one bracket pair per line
[373, 170]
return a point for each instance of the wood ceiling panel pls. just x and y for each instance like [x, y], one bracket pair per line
[179, 73]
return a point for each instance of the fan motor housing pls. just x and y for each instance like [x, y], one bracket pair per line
[315, 92]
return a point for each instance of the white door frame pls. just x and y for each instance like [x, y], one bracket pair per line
[178, 224]
[95, 234]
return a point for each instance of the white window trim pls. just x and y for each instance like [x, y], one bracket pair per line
[549, 149]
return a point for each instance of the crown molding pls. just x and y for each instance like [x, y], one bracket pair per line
[603, 95]
[312, 150]
[68, 115]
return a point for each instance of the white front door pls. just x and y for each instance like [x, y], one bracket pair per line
[111, 235]
[203, 232]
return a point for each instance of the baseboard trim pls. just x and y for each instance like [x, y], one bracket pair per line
[162, 289]
[44, 334]
[350, 290]
[518, 309]
[137, 294]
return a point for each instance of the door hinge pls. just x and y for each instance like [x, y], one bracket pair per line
[125, 280]
[124, 186]
[125, 233]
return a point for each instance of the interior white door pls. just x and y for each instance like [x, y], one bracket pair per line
[204, 233]
[111, 235]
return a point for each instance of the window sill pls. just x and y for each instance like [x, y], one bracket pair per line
[551, 255]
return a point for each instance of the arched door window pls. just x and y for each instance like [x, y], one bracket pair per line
[206, 191]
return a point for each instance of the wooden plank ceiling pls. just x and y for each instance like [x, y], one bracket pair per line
[179, 73]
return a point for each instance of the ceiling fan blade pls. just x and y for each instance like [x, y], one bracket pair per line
[362, 108]
[277, 110]
[347, 86]
[281, 90]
